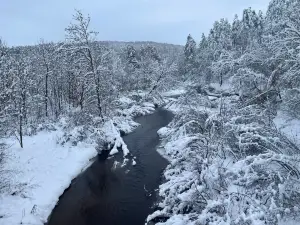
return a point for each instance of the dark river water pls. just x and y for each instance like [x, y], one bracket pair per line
[104, 195]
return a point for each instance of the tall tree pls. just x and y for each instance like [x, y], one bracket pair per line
[21, 72]
[47, 53]
[81, 39]
[190, 51]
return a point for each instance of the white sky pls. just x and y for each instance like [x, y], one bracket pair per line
[24, 22]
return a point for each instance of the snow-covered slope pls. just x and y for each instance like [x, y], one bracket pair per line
[228, 163]
[289, 126]
[41, 171]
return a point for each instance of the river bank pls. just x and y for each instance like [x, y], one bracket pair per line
[113, 192]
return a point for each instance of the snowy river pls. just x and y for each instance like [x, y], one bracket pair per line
[109, 194]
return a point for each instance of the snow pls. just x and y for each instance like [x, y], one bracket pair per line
[289, 222]
[173, 106]
[163, 132]
[46, 169]
[177, 220]
[148, 104]
[290, 127]
[138, 110]
[125, 124]
[126, 100]
[170, 148]
[174, 93]
[125, 161]
[114, 151]
[113, 136]
[226, 86]
[133, 162]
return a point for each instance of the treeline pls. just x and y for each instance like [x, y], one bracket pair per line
[42, 82]
[258, 54]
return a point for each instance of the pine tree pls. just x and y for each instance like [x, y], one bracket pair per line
[190, 51]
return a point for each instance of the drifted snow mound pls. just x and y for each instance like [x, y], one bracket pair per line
[164, 132]
[140, 110]
[124, 124]
[113, 138]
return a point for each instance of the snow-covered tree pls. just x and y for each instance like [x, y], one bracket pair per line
[190, 51]
[21, 73]
[81, 39]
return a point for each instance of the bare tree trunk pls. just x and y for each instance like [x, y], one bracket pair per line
[59, 96]
[81, 100]
[21, 128]
[97, 81]
[156, 83]
[69, 90]
[99, 101]
[24, 112]
[46, 92]
[46, 64]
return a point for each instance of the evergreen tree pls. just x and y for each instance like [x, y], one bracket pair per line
[190, 51]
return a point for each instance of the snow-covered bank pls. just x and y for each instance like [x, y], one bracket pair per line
[228, 164]
[50, 160]
[289, 126]
[41, 171]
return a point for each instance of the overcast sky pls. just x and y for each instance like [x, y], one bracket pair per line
[24, 22]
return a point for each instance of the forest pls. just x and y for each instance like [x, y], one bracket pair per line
[233, 146]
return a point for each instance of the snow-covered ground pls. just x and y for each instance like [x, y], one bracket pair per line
[289, 126]
[224, 87]
[41, 171]
[289, 222]
[173, 93]
[44, 168]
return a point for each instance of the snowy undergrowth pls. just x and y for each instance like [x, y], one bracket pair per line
[51, 158]
[229, 165]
